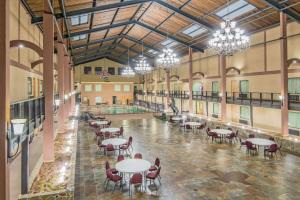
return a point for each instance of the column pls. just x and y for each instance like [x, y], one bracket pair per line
[48, 50]
[4, 97]
[168, 88]
[66, 87]
[284, 75]
[222, 66]
[60, 70]
[72, 88]
[191, 80]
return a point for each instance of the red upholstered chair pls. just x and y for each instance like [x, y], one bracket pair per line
[152, 176]
[156, 165]
[101, 146]
[231, 137]
[107, 167]
[116, 179]
[188, 127]
[272, 138]
[107, 135]
[271, 150]
[215, 137]
[250, 147]
[120, 158]
[209, 134]
[121, 132]
[251, 135]
[242, 143]
[110, 148]
[138, 156]
[136, 180]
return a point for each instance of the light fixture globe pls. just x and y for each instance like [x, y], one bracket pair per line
[229, 39]
[142, 66]
[127, 72]
[167, 59]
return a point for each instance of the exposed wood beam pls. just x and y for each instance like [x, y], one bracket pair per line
[140, 24]
[280, 7]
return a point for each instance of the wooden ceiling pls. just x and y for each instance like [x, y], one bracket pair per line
[113, 26]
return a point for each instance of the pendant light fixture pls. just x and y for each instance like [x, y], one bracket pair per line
[142, 66]
[127, 70]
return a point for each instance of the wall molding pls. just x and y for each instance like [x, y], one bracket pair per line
[24, 67]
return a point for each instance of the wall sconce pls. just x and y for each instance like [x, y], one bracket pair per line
[15, 133]
[57, 101]
[66, 97]
[220, 94]
[21, 46]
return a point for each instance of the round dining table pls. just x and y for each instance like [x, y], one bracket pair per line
[116, 142]
[222, 132]
[176, 118]
[261, 142]
[192, 124]
[99, 122]
[131, 166]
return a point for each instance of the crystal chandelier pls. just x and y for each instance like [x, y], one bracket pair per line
[229, 39]
[127, 70]
[142, 65]
[167, 59]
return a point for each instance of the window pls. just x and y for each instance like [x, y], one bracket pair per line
[126, 88]
[235, 9]
[79, 37]
[41, 87]
[117, 88]
[29, 86]
[244, 86]
[98, 100]
[294, 120]
[119, 70]
[153, 52]
[79, 19]
[87, 70]
[111, 70]
[88, 88]
[215, 88]
[98, 70]
[98, 88]
[215, 108]
[245, 112]
[194, 30]
[294, 85]
[197, 87]
[169, 43]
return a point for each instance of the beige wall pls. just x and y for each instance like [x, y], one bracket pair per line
[107, 92]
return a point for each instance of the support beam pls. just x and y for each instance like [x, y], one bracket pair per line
[278, 6]
[140, 24]
[284, 75]
[222, 66]
[4, 97]
[60, 69]
[191, 80]
[48, 50]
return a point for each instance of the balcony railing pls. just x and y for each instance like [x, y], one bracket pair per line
[259, 99]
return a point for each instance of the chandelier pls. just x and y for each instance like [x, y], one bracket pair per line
[142, 65]
[167, 59]
[127, 70]
[229, 39]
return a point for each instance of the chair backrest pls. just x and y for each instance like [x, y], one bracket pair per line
[138, 156]
[121, 129]
[248, 144]
[110, 147]
[136, 178]
[120, 158]
[157, 172]
[217, 127]
[107, 166]
[232, 135]
[273, 147]
[157, 162]
[130, 140]
[251, 135]
[236, 133]
[229, 128]
[207, 130]
[272, 138]
[187, 126]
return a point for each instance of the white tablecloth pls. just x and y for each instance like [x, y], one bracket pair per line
[114, 141]
[193, 123]
[222, 132]
[260, 141]
[133, 166]
[176, 118]
[100, 122]
[110, 130]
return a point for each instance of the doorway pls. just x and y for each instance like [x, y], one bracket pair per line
[114, 100]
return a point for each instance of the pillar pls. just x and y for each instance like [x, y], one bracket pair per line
[168, 88]
[284, 75]
[191, 80]
[60, 70]
[72, 89]
[66, 87]
[48, 50]
[222, 66]
[4, 97]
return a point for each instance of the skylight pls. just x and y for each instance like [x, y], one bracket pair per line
[235, 9]
[152, 51]
[169, 43]
[194, 30]
[79, 19]
[79, 37]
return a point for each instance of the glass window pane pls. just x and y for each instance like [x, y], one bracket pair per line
[88, 88]
[98, 88]
[117, 88]
[244, 86]
[215, 86]
[215, 108]
[245, 112]
[126, 88]
[294, 85]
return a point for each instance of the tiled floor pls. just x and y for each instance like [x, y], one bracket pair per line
[192, 168]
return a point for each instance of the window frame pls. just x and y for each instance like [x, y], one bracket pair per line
[90, 72]
[110, 68]
[117, 86]
[249, 114]
[85, 85]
